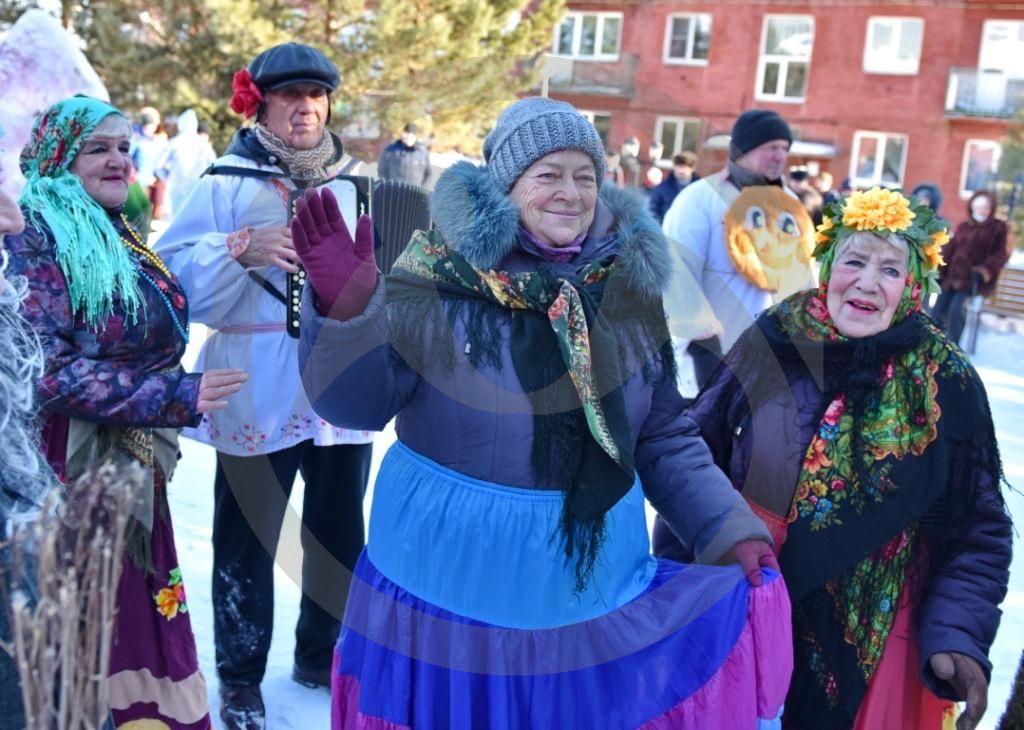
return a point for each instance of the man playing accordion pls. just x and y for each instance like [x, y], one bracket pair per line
[231, 248]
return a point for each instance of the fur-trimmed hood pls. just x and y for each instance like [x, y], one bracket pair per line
[482, 223]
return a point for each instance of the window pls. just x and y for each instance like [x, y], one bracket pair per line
[878, 159]
[676, 135]
[893, 45]
[687, 39]
[602, 123]
[592, 36]
[786, 43]
[980, 166]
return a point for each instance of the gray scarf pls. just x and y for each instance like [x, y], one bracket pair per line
[741, 177]
[309, 164]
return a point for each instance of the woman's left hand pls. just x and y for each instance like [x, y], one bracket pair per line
[968, 681]
[752, 555]
[216, 385]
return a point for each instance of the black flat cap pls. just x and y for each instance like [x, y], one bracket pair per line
[293, 63]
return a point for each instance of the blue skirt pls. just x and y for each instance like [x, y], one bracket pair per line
[462, 614]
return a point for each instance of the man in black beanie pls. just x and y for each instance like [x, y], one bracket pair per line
[758, 149]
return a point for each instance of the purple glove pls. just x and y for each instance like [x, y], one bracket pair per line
[343, 273]
[752, 555]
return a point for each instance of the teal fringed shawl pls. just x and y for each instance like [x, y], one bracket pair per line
[95, 262]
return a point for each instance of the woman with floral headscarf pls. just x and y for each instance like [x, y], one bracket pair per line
[113, 323]
[863, 438]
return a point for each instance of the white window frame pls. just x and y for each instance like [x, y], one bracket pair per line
[598, 36]
[764, 59]
[677, 145]
[688, 60]
[590, 114]
[980, 143]
[890, 64]
[883, 140]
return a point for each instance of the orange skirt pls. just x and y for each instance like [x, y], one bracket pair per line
[896, 698]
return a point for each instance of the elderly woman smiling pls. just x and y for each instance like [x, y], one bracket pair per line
[523, 347]
[113, 324]
[862, 436]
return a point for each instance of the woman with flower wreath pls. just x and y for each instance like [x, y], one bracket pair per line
[863, 438]
[113, 323]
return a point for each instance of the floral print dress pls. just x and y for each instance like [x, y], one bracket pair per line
[124, 380]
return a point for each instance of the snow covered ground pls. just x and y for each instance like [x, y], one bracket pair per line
[1000, 353]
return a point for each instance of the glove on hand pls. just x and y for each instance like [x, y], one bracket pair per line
[968, 681]
[752, 555]
[342, 272]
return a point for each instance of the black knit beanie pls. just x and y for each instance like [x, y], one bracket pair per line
[753, 128]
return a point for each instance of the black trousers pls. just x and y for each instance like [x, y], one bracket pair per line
[250, 499]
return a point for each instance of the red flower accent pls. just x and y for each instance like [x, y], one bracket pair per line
[835, 411]
[178, 301]
[58, 156]
[817, 309]
[247, 95]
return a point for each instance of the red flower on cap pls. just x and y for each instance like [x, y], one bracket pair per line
[247, 95]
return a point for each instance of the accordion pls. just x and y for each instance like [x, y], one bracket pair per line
[397, 209]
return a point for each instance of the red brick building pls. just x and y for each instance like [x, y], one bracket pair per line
[896, 93]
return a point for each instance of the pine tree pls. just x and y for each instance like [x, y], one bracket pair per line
[1013, 719]
[450, 63]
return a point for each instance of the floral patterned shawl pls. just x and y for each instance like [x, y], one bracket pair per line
[97, 266]
[871, 511]
[582, 439]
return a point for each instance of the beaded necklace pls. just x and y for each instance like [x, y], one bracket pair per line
[141, 250]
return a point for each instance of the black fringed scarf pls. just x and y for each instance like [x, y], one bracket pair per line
[572, 343]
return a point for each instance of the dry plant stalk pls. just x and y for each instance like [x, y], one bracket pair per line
[61, 642]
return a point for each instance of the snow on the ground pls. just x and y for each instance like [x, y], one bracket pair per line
[998, 359]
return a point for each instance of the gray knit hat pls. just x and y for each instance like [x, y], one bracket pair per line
[534, 127]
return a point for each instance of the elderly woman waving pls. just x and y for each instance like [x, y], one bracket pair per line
[508, 581]
[113, 323]
[863, 437]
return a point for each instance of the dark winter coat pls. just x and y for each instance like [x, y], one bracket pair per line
[975, 244]
[405, 164]
[661, 195]
[479, 422]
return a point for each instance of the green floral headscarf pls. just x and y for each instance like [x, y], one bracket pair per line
[89, 249]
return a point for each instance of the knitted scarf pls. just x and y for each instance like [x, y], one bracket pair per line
[308, 164]
[97, 266]
[741, 177]
[571, 360]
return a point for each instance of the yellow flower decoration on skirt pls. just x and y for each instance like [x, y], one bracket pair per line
[878, 209]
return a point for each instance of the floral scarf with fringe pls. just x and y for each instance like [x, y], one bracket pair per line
[97, 265]
[582, 437]
[871, 500]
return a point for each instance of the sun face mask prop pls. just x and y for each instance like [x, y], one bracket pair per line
[770, 237]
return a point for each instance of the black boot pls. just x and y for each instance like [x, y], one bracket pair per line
[312, 678]
[241, 708]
